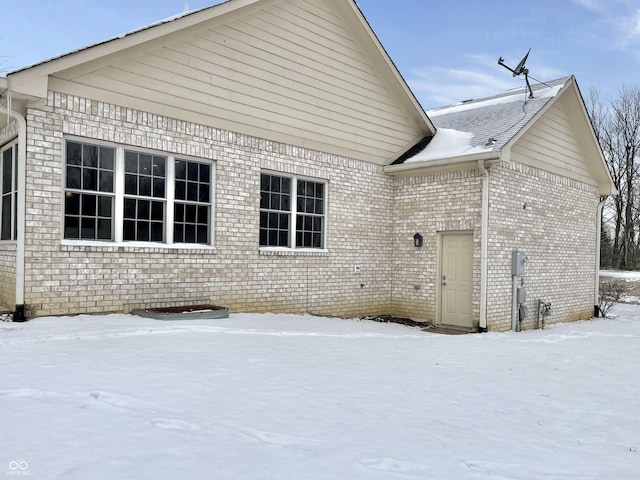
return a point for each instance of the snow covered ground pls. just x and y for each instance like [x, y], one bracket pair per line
[621, 274]
[298, 397]
[630, 280]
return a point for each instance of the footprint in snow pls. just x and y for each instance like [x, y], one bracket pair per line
[272, 438]
[172, 424]
[24, 393]
[393, 465]
[120, 401]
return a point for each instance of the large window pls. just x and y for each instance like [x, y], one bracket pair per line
[292, 212]
[125, 195]
[8, 192]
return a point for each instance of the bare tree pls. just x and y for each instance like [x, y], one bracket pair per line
[611, 292]
[617, 127]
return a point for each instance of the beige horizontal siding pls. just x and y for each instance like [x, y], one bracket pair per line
[245, 66]
[291, 69]
[248, 81]
[552, 144]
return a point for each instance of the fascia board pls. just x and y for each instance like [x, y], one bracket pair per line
[387, 63]
[32, 80]
[444, 162]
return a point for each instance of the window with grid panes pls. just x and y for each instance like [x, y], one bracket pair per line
[292, 212]
[8, 192]
[122, 195]
[192, 208]
[89, 192]
[144, 197]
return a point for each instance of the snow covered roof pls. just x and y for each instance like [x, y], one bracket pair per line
[484, 125]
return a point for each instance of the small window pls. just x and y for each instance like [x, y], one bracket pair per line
[144, 201]
[192, 208]
[310, 219]
[292, 212]
[89, 193]
[9, 192]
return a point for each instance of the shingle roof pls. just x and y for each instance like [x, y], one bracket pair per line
[486, 124]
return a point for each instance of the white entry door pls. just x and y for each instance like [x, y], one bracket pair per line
[457, 280]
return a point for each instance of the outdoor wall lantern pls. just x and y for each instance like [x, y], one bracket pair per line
[417, 240]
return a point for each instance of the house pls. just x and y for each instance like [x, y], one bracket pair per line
[519, 171]
[268, 156]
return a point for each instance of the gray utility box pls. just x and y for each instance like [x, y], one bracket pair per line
[521, 296]
[518, 261]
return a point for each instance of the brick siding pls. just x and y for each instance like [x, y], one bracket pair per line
[430, 205]
[556, 231]
[371, 220]
[63, 278]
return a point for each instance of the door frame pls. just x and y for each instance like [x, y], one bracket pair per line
[440, 253]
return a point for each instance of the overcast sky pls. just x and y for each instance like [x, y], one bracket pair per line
[447, 50]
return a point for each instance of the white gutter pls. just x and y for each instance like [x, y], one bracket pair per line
[443, 162]
[596, 300]
[21, 206]
[481, 158]
[484, 245]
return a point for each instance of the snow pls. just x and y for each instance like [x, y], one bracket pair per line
[516, 96]
[627, 276]
[447, 143]
[301, 397]
[480, 130]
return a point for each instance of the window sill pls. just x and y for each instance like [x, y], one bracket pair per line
[135, 247]
[309, 252]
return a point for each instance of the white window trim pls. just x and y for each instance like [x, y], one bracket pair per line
[118, 214]
[13, 144]
[294, 212]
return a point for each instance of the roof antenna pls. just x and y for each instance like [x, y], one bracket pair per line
[519, 70]
[186, 7]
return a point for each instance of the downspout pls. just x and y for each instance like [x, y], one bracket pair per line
[484, 246]
[596, 304]
[19, 312]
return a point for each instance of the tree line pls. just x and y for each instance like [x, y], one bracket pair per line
[616, 122]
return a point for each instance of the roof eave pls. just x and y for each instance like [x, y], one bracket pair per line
[512, 141]
[607, 189]
[608, 186]
[442, 162]
[33, 80]
[420, 111]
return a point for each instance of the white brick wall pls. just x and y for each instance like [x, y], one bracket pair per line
[557, 232]
[444, 202]
[366, 228]
[69, 278]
